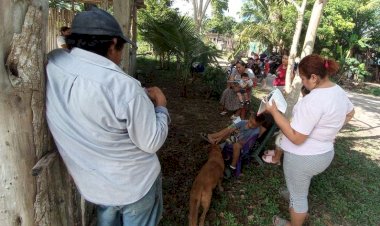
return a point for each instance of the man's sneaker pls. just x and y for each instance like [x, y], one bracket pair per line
[241, 103]
[223, 113]
[247, 102]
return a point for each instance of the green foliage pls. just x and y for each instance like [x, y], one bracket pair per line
[223, 25]
[375, 91]
[66, 4]
[351, 24]
[214, 78]
[217, 7]
[174, 35]
[357, 69]
[270, 22]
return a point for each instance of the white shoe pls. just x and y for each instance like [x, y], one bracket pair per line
[233, 117]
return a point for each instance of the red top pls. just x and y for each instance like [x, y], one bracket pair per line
[281, 73]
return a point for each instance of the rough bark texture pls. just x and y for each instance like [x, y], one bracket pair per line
[122, 10]
[49, 198]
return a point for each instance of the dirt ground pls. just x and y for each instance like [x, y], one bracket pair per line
[184, 152]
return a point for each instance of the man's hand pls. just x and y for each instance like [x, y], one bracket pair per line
[157, 96]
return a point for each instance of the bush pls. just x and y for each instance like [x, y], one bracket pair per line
[215, 79]
[375, 91]
[355, 70]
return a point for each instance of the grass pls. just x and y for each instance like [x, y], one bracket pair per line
[347, 193]
[375, 91]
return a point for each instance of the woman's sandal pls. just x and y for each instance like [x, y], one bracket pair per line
[278, 221]
[270, 152]
[269, 159]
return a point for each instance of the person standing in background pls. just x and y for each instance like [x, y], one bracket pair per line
[279, 81]
[61, 39]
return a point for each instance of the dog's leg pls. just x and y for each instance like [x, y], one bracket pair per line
[205, 202]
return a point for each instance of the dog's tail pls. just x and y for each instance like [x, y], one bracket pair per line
[195, 200]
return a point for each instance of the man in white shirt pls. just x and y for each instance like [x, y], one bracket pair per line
[106, 127]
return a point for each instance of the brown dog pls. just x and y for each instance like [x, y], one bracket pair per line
[208, 177]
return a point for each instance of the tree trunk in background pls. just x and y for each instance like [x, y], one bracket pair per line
[47, 197]
[133, 56]
[122, 10]
[293, 49]
[308, 47]
[199, 10]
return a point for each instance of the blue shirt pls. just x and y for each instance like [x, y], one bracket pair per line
[245, 133]
[106, 128]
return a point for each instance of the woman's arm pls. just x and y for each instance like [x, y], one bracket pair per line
[349, 116]
[284, 124]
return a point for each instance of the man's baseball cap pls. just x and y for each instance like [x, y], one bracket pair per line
[96, 21]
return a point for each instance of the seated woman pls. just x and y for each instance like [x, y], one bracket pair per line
[245, 129]
[229, 99]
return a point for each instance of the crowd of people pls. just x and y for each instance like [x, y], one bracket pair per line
[108, 128]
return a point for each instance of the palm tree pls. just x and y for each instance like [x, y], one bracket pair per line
[175, 36]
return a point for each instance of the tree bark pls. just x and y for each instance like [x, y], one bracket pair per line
[48, 197]
[133, 56]
[122, 10]
[308, 47]
[293, 49]
[199, 10]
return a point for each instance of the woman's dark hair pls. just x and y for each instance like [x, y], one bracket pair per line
[259, 118]
[315, 64]
[244, 75]
[98, 44]
[242, 63]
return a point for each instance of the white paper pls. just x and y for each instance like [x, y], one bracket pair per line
[278, 98]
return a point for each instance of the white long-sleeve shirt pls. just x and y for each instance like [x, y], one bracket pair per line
[106, 128]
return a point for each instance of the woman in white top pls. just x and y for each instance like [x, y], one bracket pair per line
[308, 140]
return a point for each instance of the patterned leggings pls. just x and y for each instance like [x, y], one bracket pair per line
[298, 170]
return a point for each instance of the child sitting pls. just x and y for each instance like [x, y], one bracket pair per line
[245, 85]
[244, 129]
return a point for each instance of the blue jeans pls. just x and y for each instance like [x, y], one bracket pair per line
[145, 212]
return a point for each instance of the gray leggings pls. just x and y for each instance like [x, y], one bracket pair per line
[298, 170]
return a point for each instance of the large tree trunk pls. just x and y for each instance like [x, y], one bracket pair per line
[35, 188]
[199, 10]
[132, 65]
[122, 10]
[308, 47]
[293, 49]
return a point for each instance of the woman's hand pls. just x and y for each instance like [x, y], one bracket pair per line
[271, 106]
